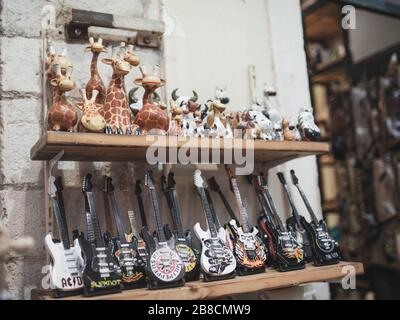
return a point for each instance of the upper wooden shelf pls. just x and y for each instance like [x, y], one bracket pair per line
[269, 280]
[102, 147]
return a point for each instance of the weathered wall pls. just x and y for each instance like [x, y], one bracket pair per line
[21, 180]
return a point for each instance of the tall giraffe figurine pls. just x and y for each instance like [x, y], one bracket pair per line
[151, 117]
[95, 81]
[116, 111]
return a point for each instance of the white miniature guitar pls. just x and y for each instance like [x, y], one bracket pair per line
[67, 263]
[216, 258]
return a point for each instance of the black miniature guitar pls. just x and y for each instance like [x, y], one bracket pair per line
[185, 251]
[286, 253]
[142, 212]
[249, 250]
[126, 252]
[326, 250]
[214, 186]
[296, 223]
[165, 267]
[101, 274]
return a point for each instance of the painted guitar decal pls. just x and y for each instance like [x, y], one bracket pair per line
[67, 263]
[216, 258]
[165, 266]
[249, 249]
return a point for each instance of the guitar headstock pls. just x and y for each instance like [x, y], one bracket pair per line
[138, 188]
[230, 175]
[171, 180]
[257, 181]
[295, 180]
[149, 180]
[164, 186]
[281, 178]
[58, 183]
[87, 184]
[198, 179]
[51, 188]
[214, 186]
[108, 185]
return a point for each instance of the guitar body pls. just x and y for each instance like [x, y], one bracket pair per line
[101, 274]
[269, 237]
[133, 268]
[189, 259]
[165, 267]
[217, 260]
[249, 250]
[66, 269]
[325, 250]
[302, 238]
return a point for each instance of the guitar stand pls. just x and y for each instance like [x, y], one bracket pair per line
[155, 285]
[63, 294]
[91, 292]
[284, 267]
[244, 271]
[134, 285]
[210, 278]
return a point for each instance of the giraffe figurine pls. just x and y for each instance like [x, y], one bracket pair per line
[62, 116]
[91, 120]
[151, 118]
[116, 111]
[95, 81]
[129, 55]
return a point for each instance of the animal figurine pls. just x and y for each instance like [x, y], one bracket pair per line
[91, 120]
[129, 55]
[62, 116]
[95, 82]
[136, 104]
[288, 133]
[226, 119]
[175, 128]
[247, 125]
[8, 245]
[309, 131]
[190, 109]
[151, 118]
[221, 94]
[214, 122]
[199, 131]
[116, 111]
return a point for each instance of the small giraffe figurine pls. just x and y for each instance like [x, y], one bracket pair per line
[130, 56]
[116, 111]
[151, 117]
[62, 116]
[91, 119]
[95, 81]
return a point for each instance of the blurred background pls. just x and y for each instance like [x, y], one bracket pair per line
[354, 78]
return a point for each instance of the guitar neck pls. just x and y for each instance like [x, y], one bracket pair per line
[107, 210]
[142, 212]
[96, 225]
[176, 213]
[60, 222]
[214, 216]
[308, 206]
[268, 198]
[244, 217]
[206, 206]
[90, 232]
[292, 205]
[132, 221]
[266, 209]
[117, 217]
[60, 199]
[157, 216]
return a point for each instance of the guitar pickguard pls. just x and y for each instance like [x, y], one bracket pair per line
[218, 256]
[165, 265]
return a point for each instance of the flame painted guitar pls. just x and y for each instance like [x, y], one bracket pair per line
[217, 260]
[325, 250]
[187, 254]
[101, 274]
[286, 253]
[125, 248]
[165, 267]
[248, 247]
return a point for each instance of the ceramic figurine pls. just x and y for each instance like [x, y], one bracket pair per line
[288, 133]
[268, 92]
[214, 121]
[116, 111]
[226, 119]
[176, 127]
[91, 120]
[151, 118]
[247, 125]
[308, 129]
[190, 109]
[135, 104]
[62, 116]
[199, 131]
[265, 129]
[95, 81]
[221, 94]
[129, 55]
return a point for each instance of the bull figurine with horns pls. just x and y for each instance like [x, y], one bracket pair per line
[151, 118]
[190, 109]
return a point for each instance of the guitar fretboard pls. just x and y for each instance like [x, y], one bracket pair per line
[117, 217]
[243, 212]
[207, 211]
[176, 212]
[62, 229]
[157, 216]
[308, 206]
[268, 198]
[96, 226]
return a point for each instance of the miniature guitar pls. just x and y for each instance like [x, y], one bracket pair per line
[66, 260]
[214, 186]
[249, 250]
[130, 262]
[326, 250]
[142, 212]
[296, 222]
[141, 246]
[165, 267]
[187, 254]
[217, 260]
[288, 253]
[101, 274]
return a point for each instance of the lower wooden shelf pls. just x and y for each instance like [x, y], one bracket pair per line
[269, 280]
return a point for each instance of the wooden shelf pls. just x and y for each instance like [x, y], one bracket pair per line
[102, 147]
[269, 280]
